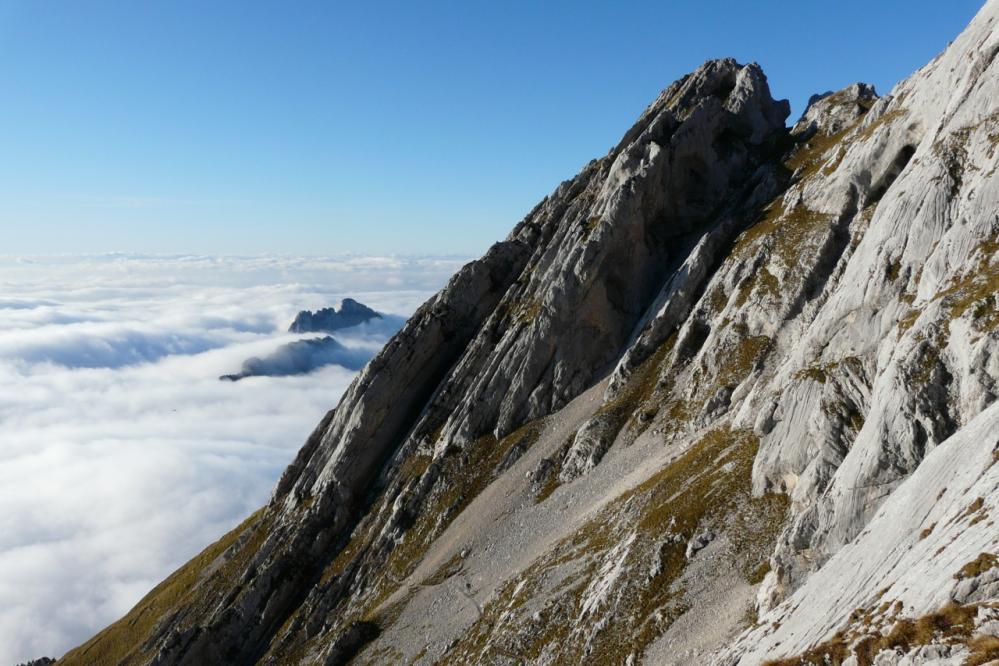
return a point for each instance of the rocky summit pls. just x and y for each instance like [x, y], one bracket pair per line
[727, 396]
[328, 320]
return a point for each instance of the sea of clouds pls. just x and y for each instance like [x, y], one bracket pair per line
[121, 452]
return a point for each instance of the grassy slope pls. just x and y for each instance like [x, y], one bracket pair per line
[122, 642]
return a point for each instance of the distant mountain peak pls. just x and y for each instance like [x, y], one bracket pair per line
[327, 320]
[301, 357]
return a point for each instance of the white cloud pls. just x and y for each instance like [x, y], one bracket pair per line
[121, 453]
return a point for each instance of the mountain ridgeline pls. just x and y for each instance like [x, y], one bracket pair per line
[304, 356]
[727, 396]
[328, 320]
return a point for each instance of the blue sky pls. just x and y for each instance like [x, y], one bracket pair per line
[373, 127]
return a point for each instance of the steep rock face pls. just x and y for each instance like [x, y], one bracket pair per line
[921, 548]
[897, 346]
[513, 337]
[703, 383]
[832, 113]
[605, 241]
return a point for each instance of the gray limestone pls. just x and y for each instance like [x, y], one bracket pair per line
[827, 292]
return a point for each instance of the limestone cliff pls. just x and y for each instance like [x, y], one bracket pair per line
[727, 395]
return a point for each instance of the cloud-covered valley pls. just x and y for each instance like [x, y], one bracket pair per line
[121, 452]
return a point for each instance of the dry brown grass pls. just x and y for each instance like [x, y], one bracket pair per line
[952, 623]
[983, 650]
[122, 642]
[977, 566]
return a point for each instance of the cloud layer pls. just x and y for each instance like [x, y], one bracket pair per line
[121, 454]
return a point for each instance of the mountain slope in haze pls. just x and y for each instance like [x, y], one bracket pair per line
[300, 357]
[727, 396]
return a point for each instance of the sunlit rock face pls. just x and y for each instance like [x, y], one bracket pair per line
[726, 395]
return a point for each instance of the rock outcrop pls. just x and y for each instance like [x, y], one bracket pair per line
[834, 112]
[329, 320]
[727, 395]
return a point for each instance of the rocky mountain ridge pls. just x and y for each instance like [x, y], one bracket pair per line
[329, 320]
[727, 396]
